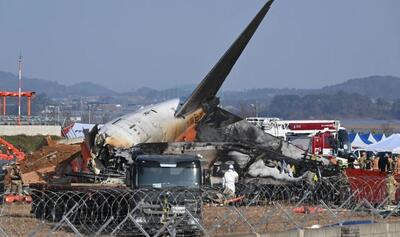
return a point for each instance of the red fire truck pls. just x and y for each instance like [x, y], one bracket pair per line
[316, 136]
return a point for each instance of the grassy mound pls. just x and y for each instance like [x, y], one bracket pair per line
[28, 143]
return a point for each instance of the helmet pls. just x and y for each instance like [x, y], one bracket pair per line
[231, 167]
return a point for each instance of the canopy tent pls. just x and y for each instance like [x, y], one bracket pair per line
[396, 150]
[352, 136]
[379, 136]
[364, 136]
[389, 144]
[371, 138]
[360, 141]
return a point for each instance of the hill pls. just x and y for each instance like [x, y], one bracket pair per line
[9, 82]
[386, 87]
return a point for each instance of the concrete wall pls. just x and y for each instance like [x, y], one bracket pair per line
[369, 230]
[30, 130]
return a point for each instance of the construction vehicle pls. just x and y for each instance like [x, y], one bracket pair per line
[326, 137]
[9, 155]
[9, 152]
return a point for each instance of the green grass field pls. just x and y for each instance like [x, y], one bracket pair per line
[27, 143]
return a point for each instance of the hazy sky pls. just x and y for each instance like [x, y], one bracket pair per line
[161, 44]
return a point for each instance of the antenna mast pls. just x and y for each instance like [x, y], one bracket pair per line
[19, 87]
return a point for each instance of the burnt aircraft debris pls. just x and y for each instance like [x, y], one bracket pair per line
[113, 145]
[166, 121]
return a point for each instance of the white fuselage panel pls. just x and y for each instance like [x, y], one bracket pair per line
[154, 123]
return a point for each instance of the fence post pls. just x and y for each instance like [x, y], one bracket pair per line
[197, 223]
[104, 226]
[2, 232]
[289, 216]
[65, 219]
[132, 218]
[165, 227]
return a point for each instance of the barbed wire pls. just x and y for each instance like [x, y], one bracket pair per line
[258, 208]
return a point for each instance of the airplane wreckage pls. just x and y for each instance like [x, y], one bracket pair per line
[200, 126]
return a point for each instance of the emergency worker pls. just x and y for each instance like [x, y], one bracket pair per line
[313, 157]
[363, 160]
[320, 156]
[397, 165]
[16, 180]
[368, 164]
[290, 170]
[333, 160]
[293, 169]
[390, 166]
[7, 180]
[391, 187]
[229, 180]
[350, 161]
[383, 163]
[375, 163]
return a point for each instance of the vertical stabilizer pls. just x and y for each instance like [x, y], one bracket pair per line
[210, 85]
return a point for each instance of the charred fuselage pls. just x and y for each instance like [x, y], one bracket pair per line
[165, 122]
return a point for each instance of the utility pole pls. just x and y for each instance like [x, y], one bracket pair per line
[19, 87]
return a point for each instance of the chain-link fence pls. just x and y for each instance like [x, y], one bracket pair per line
[257, 209]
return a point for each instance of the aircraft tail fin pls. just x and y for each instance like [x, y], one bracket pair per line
[210, 85]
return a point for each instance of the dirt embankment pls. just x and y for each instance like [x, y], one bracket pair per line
[45, 159]
[41, 165]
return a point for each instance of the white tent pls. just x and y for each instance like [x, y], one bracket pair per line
[359, 142]
[396, 150]
[390, 144]
[383, 137]
[371, 138]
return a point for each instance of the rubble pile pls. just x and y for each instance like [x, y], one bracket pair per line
[48, 161]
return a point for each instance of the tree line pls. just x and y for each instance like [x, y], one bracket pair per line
[339, 105]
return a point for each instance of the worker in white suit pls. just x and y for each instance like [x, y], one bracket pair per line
[229, 180]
